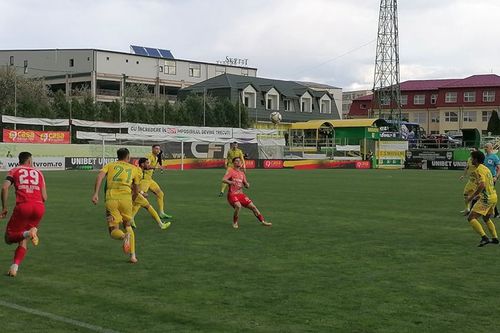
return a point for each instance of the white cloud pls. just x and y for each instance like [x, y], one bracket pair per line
[288, 39]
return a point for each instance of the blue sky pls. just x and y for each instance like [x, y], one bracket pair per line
[328, 41]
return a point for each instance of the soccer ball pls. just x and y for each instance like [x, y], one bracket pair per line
[275, 117]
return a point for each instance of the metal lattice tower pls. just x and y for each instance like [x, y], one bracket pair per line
[386, 89]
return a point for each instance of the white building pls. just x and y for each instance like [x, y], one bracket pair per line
[106, 73]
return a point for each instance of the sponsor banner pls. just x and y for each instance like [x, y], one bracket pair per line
[203, 133]
[391, 154]
[326, 164]
[29, 136]
[447, 165]
[273, 164]
[42, 163]
[86, 163]
[433, 159]
[205, 150]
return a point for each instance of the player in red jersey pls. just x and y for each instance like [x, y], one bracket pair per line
[31, 195]
[236, 180]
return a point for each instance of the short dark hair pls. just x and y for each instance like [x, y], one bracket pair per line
[234, 142]
[234, 159]
[142, 160]
[122, 153]
[156, 145]
[24, 156]
[478, 156]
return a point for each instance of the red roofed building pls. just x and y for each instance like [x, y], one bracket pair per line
[440, 106]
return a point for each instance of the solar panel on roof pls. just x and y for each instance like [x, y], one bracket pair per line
[152, 52]
[166, 54]
[138, 50]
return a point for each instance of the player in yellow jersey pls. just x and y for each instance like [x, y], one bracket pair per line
[141, 200]
[487, 201]
[148, 184]
[122, 186]
[470, 186]
[233, 153]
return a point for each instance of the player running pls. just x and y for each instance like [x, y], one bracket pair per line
[236, 180]
[492, 162]
[486, 202]
[148, 184]
[141, 200]
[122, 182]
[231, 155]
[470, 186]
[31, 195]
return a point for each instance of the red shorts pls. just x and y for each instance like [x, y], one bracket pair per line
[25, 216]
[238, 197]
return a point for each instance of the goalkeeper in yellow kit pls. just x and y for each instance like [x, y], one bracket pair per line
[122, 186]
[148, 184]
[233, 153]
[141, 200]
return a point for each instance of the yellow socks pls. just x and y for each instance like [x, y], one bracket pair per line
[135, 209]
[491, 228]
[477, 227]
[161, 204]
[223, 187]
[132, 239]
[154, 214]
[117, 234]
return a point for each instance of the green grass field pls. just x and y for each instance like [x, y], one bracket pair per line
[349, 251]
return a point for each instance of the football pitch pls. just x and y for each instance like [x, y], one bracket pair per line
[349, 251]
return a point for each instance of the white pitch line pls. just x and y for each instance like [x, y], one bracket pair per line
[57, 318]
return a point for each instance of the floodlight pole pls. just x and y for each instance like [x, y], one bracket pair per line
[15, 96]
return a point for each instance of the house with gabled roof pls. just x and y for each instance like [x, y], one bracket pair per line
[262, 96]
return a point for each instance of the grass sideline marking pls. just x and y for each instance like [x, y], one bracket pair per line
[57, 318]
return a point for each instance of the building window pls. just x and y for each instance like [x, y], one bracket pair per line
[451, 117]
[325, 105]
[220, 70]
[306, 104]
[404, 99]
[244, 72]
[71, 62]
[419, 99]
[287, 104]
[434, 117]
[11, 60]
[405, 116]
[434, 98]
[434, 132]
[470, 116]
[137, 62]
[450, 97]
[88, 58]
[107, 58]
[485, 116]
[420, 117]
[126, 60]
[194, 70]
[25, 66]
[272, 100]
[385, 100]
[362, 106]
[249, 97]
[170, 67]
[469, 97]
[489, 96]
[161, 69]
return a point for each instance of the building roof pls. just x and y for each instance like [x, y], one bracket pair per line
[483, 80]
[286, 88]
[315, 85]
[335, 123]
[127, 53]
[413, 85]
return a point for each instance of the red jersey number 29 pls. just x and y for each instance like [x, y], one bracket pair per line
[30, 177]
